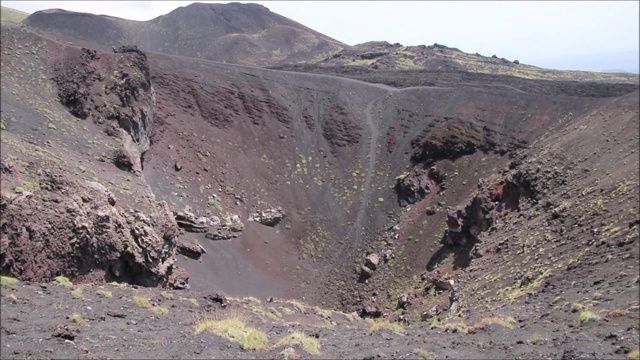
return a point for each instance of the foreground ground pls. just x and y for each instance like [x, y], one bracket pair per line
[122, 322]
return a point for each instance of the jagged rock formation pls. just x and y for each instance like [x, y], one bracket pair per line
[228, 228]
[82, 233]
[114, 89]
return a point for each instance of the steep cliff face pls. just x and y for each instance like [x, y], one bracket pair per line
[113, 90]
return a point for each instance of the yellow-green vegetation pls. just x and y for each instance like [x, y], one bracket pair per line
[575, 307]
[298, 305]
[167, 294]
[362, 62]
[324, 324]
[323, 313]
[234, 328]
[377, 325]
[215, 203]
[586, 316]
[77, 318]
[252, 299]
[63, 281]
[9, 281]
[160, 310]
[261, 312]
[425, 355]
[634, 355]
[77, 293]
[31, 186]
[483, 323]
[536, 340]
[310, 344]
[518, 291]
[494, 320]
[193, 301]
[286, 310]
[105, 293]
[12, 15]
[471, 64]
[118, 285]
[407, 64]
[141, 301]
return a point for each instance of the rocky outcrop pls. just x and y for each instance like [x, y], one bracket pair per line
[215, 228]
[457, 137]
[269, 217]
[188, 221]
[192, 250]
[370, 310]
[495, 199]
[217, 297]
[178, 279]
[226, 229]
[112, 89]
[76, 229]
[415, 185]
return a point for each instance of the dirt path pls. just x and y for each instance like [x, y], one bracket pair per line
[373, 127]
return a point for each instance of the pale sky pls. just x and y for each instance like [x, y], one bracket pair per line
[572, 35]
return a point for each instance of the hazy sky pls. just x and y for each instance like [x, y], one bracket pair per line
[582, 35]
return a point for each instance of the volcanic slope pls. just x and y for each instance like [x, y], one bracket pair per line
[247, 34]
[513, 196]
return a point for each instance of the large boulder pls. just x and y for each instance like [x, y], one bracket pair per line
[372, 261]
[192, 250]
[269, 217]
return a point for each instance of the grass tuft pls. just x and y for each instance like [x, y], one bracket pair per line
[77, 293]
[105, 293]
[234, 328]
[310, 344]
[482, 324]
[576, 307]
[77, 318]
[425, 355]
[118, 285]
[9, 281]
[63, 281]
[494, 320]
[160, 310]
[377, 325]
[142, 302]
[586, 316]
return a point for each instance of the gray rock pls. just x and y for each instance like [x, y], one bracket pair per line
[269, 217]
